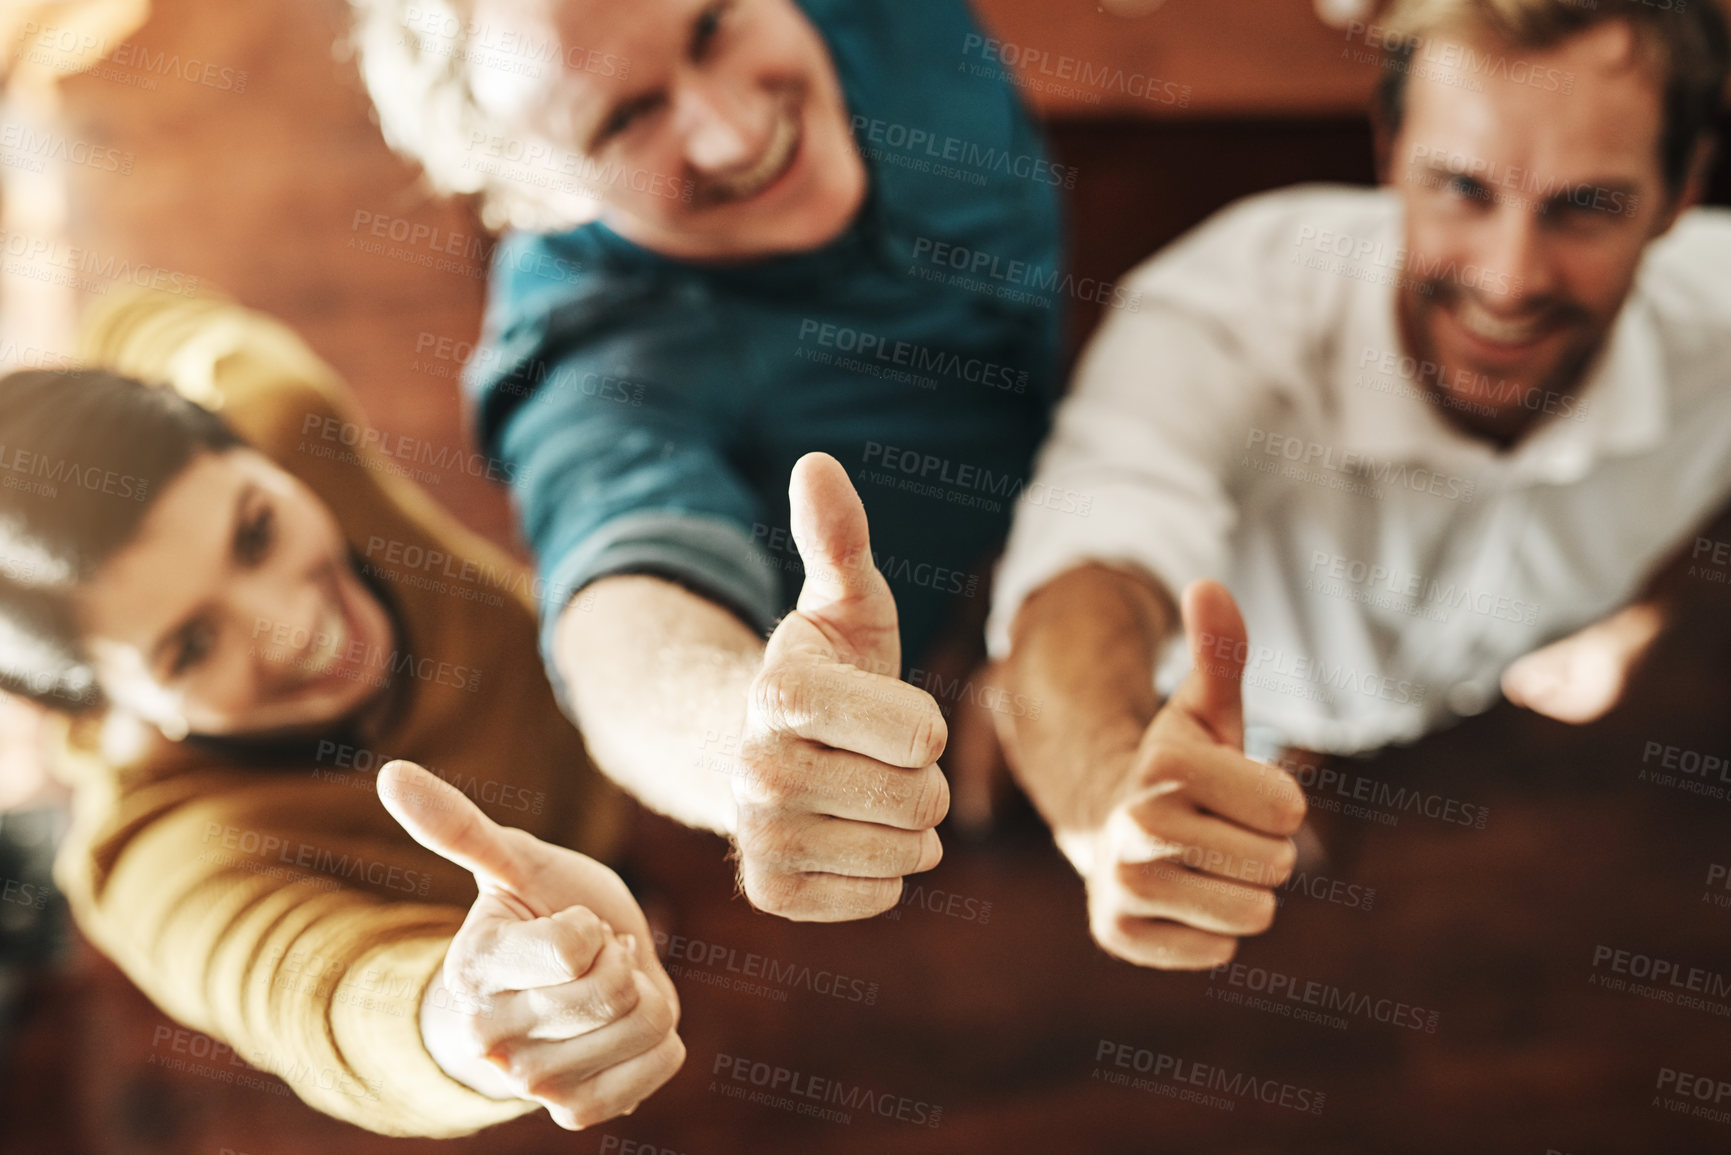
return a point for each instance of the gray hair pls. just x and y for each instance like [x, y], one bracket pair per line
[416, 58]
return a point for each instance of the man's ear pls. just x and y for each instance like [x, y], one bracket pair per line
[1382, 138]
[1694, 185]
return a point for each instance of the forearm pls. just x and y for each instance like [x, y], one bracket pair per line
[342, 989]
[1676, 590]
[1084, 647]
[658, 678]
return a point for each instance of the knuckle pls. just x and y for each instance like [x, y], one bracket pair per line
[673, 1056]
[770, 891]
[1141, 879]
[465, 971]
[1164, 819]
[572, 949]
[918, 853]
[1283, 862]
[545, 1089]
[1263, 908]
[932, 802]
[508, 1056]
[776, 842]
[766, 778]
[1103, 929]
[615, 995]
[1166, 763]
[1290, 809]
[930, 735]
[658, 1016]
[781, 697]
[474, 1037]
[1176, 949]
[587, 1109]
[582, 924]
[1114, 934]
[1160, 950]
[893, 852]
[754, 835]
[546, 1006]
[807, 898]
[882, 894]
[841, 899]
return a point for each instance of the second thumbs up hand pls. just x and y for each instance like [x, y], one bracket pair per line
[1187, 861]
[551, 990]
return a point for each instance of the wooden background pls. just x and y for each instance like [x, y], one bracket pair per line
[998, 1022]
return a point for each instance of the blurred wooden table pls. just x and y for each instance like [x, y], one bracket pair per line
[1010, 1022]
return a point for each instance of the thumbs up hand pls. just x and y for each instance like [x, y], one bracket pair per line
[550, 990]
[1189, 857]
[838, 789]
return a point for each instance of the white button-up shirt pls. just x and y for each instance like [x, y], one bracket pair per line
[1256, 420]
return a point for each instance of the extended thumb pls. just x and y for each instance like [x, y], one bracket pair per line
[443, 819]
[830, 530]
[843, 589]
[1219, 646]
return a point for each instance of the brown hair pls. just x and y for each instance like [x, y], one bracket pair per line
[1685, 44]
[85, 453]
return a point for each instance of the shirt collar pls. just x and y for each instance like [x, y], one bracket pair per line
[1622, 407]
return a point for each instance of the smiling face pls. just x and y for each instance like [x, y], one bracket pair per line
[706, 129]
[1528, 206]
[235, 610]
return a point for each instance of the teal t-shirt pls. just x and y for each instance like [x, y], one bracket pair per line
[648, 411]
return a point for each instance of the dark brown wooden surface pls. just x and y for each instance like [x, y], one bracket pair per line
[999, 1021]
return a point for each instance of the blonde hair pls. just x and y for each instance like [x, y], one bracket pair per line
[1685, 47]
[419, 81]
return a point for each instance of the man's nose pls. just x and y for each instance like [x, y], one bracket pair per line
[1517, 253]
[722, 130]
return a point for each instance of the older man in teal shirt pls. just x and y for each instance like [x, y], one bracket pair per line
[817, 233]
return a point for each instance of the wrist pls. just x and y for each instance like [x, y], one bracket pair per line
[1087, 775]
[443, 1038]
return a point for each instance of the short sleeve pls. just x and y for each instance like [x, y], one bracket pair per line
[611, 487]
[617, 458]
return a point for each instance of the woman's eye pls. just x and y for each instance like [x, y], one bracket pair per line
[708, 26]
[253, 540]
[195, 647]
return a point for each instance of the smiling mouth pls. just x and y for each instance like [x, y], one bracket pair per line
[1481, 323]
[329, 641]
[775, 160]
[328, 660]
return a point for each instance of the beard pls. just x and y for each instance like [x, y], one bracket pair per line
[1486, 401]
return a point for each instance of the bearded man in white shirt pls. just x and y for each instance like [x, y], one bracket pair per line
[1433, 437]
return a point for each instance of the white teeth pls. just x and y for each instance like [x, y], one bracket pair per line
[1481, 323]
[327, 649]
[769, 165]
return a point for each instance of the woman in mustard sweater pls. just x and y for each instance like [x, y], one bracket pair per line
[241, 612]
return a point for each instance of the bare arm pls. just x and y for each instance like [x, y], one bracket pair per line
[1179, 837]
[658, 677]
[1582, 677]
[1084, 647]
[808, 750]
